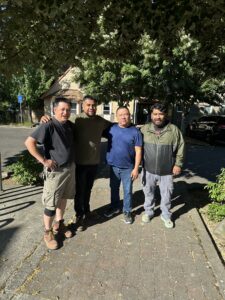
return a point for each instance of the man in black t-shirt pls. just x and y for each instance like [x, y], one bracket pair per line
[59, 168]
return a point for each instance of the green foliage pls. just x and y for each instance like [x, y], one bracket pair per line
[217, 189]
[179, 78]
[61, 32]
[26, 170]
[31, 83]
[216, 210]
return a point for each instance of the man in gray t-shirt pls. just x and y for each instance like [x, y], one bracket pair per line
[59, 168]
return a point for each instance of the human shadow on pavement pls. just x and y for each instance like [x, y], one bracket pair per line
[188, 196]
[97, 215]
[5, 236]
[185, 197]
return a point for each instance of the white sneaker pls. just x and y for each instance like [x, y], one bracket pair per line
[145, 218]
[167, 222]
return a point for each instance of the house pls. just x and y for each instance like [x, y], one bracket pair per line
[67, 87]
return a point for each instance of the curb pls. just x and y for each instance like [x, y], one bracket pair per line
[209, 248]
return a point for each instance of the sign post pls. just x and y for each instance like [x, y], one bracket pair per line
[20, 100]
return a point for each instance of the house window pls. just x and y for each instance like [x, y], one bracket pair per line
[106, 109]
[74, 108]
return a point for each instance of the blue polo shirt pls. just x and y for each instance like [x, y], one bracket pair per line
[121, 145]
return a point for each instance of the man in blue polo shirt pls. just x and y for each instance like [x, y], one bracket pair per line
[124, 157]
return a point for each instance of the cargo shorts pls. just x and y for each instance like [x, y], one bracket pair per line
[58, 184]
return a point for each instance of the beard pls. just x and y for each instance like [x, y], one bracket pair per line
[160, 124]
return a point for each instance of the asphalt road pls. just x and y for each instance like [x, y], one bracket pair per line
[12, 142]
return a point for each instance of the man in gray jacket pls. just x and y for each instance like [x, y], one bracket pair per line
[163, 158]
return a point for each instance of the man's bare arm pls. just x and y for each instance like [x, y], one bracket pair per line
[31, 145]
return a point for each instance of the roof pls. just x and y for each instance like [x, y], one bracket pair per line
[65, 86]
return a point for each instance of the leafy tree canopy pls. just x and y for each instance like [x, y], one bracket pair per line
[56, 32]
[31, 83]
[179, 79]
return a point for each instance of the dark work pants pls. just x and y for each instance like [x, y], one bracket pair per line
[85, 176]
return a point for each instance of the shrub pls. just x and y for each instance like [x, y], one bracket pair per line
[216, 210]
[26, 170]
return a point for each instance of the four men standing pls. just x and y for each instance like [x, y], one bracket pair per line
[163, 158]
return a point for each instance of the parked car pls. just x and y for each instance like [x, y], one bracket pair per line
[209, 128]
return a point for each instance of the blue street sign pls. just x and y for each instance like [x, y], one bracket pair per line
[20, 98]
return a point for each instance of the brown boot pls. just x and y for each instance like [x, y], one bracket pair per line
[50, 241]
[60, 228]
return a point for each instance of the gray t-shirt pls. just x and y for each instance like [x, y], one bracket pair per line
[57, 139]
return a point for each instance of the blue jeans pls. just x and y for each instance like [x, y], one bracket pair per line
[116, 176]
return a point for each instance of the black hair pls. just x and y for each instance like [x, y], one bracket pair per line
[160, 106]
[62, 99]
[123, 107]
[89, 97]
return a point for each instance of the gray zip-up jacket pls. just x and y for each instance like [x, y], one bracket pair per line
[162, 151]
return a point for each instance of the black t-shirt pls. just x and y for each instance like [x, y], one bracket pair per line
[57, 139]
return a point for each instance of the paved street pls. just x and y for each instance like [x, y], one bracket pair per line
[112, 260]
[12, 141]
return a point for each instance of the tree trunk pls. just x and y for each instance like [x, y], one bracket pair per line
[30, 114]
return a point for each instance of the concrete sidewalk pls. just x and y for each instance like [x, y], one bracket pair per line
[109, 260]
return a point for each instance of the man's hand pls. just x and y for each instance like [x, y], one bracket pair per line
[176, 170]
[134, 174]
[50, 164]
[45, 119]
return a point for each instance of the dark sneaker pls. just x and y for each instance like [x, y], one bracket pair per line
[80, 223]
[50, 241]
[61, 229]
[128, 218]
[111, 212]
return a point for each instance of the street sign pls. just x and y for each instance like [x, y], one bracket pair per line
[20, 98]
